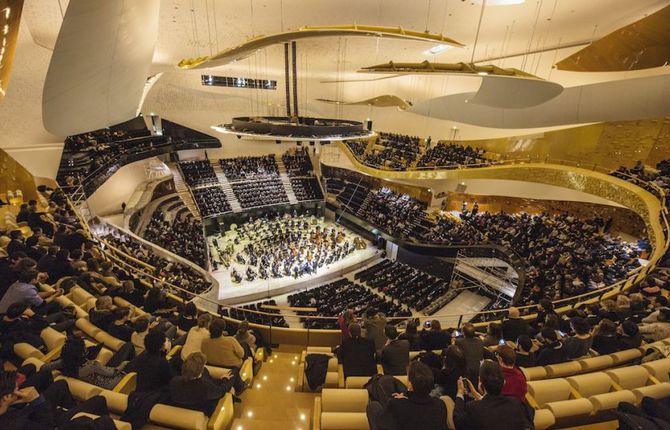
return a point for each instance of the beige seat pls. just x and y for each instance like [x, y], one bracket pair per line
[563, 369]
[608, 401]
[630, 377]
[534, 373]
[87, 327]
[341, 409]
[79, 296]
[543, 419]
[109, 341]
[120, 425]
[596, 363]
[659, 369]
[332, 375]
[591, 384]
[656, 391]
[626, 356]
[558, 397]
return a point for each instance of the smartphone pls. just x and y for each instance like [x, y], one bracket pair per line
[501, 342]
[427, 324]
[457, 333]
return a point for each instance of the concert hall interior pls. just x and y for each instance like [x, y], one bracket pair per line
[334, 215]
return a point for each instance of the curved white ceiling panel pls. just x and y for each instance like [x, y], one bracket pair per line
[504, 92]
[627, 99]
[99, 65]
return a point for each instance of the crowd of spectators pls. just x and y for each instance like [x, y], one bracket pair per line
[647, 178]
[399, 151]
[249, 168]
[211, 201]
[395, 213]
[452, 156]
[337, 297]
[298, 163]
[410, 286]
[274, 320]
[306, 189]
[198, 173]
[183, 237]
[171, 272]
[261, 192]
[357, 147]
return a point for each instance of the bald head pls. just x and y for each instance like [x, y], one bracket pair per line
[513, 312]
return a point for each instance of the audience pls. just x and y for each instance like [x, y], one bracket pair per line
[515, 382]
[222, 350]
[394, 355]
[357, 354]
[183, 237]
[473, 350]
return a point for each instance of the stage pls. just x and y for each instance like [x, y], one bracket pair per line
[258, 289]
[231, 244]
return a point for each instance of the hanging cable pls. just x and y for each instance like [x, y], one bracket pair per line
[532, 34]
[479, 26]
[428, 15]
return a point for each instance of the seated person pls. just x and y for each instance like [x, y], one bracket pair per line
[44, 406]
[246, 338]
[195, 388]
[395, 354]
[514, 326]
[102, 316]
[141, 327]
[515, 381]
[15, 327]
[357, 354]
[222, 350]
[121, 328]
[435, 338]
[453, 368]
[196, 335]
[580, 343]
[604, 339]
[188, 318]
[25, 291]
[473, 348]
[658, 330]
[490, 409]
[628, 336]
[414, 410]
[552, 350]
[75, 364]
[153, 370]
[525, 357]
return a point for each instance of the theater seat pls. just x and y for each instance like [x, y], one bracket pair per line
[656, 391]
[120, 425]
[534, 373]
[109, 341]
[563, 369]
[178, 418]
[626, 356]
[543, 419]
[607, 401]
[659, 369]
[341, 409]
[558, 397]
[596, 363]
[630, 377]
[590, 384]
[87, 327]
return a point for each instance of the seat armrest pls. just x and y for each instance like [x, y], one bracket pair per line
[223, 414]
[316, 419]
[127, 384]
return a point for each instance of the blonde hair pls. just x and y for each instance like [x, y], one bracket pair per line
[104, 302]
[609, 305]
[193, 365]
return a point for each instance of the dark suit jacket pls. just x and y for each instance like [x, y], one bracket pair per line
[491, 412]
[413, 413]
[512, 328]
[473, 349]
[395, 357]
[358, 357]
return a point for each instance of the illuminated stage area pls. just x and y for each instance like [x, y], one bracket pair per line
[263, 259]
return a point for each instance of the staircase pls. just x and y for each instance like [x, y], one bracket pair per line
[183, 191]
[227, 188]
[286, 181]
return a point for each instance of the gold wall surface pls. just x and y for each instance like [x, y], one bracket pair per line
[641, 45]
[589, 181]
[15, 177]
[10, 17]
[608, 145]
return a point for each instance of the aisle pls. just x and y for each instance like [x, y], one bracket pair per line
[272, 403]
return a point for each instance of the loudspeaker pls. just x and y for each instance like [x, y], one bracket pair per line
[461, 187]
[369, 125]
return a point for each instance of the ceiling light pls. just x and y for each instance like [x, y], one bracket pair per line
[501, 2]
[483, 73]
[437, 49]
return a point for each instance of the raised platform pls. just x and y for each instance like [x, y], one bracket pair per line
[284, 128]
[247, 291]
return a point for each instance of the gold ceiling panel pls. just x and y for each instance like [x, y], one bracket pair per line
[10, 17]
[641, 45]
[465, 68]
[386, 100]
[252, 45]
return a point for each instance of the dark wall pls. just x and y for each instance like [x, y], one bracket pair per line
[433, 265]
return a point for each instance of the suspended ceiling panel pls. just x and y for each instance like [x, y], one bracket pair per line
[641, 45]
[627, 99]
[100, 64]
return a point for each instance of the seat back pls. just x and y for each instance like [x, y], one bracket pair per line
[87, 327]
[109, 341]
[79, 296]
[590, 384]
[178, 418]
[630, 377]
[560, 370]
[534, 373]
[549, 390]
[596, 363]
[347, 400]
[659, 369]
[626, 355]
[52, 339]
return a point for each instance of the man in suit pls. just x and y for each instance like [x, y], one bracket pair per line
[489, 409]
[514, 326]
[414, 410]
[395, 354]
[357, 354]
[473, 348]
